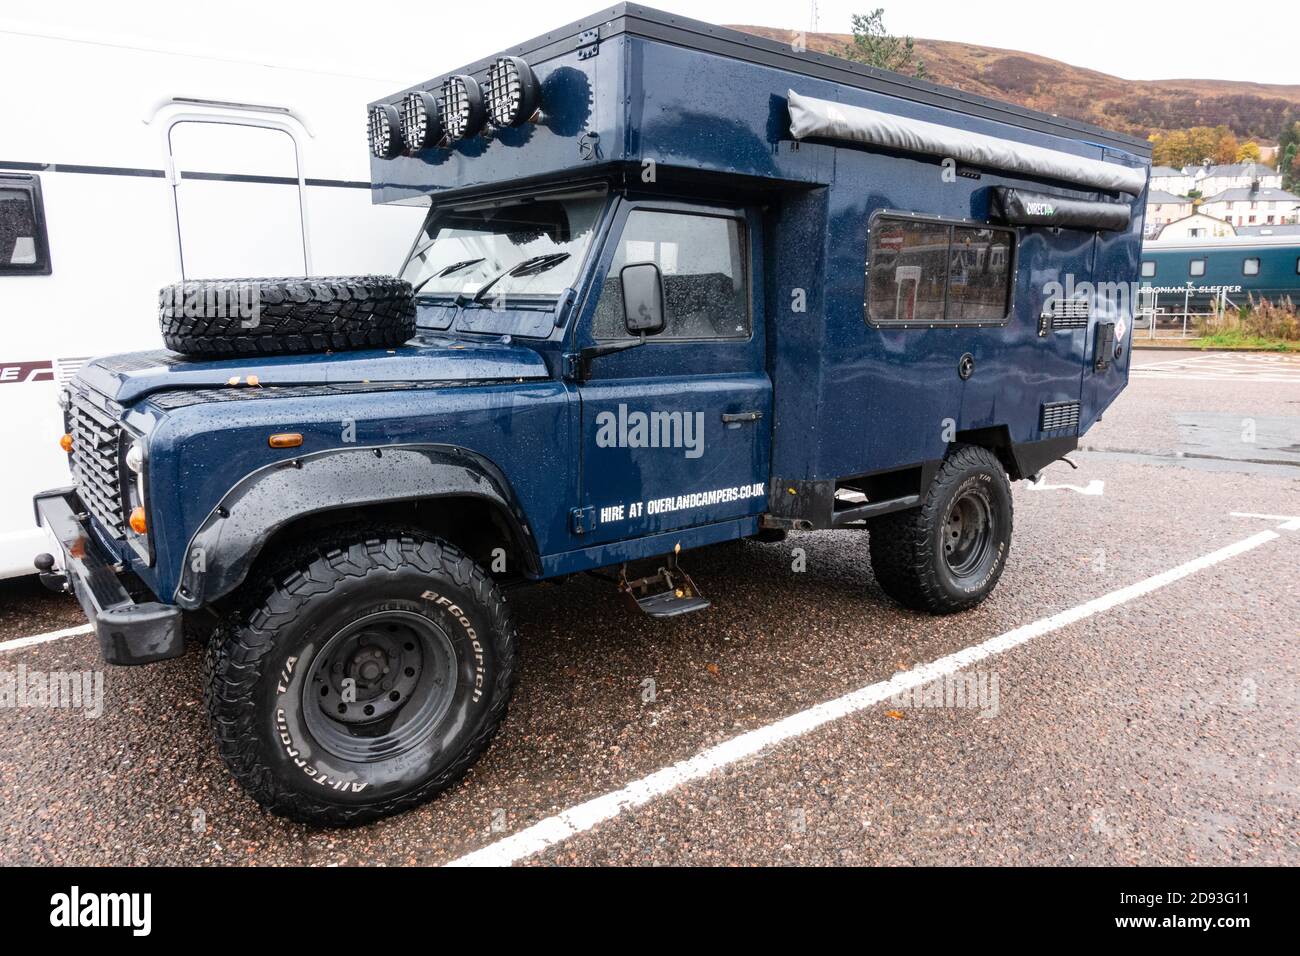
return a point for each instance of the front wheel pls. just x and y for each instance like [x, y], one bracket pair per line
[948, 554]
[366, 678]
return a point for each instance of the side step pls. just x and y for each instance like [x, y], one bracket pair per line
[668, 593]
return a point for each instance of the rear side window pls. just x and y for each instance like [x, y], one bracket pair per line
[925, 272]
[24, 247]
[702, 261]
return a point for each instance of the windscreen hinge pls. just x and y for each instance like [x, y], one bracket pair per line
[588, 44]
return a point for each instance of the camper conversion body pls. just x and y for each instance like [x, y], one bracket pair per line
[678, 287]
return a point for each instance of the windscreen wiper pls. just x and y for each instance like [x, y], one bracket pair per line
[528, 267]
[449, 270]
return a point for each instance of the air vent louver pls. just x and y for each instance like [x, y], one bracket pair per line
[1057, 416]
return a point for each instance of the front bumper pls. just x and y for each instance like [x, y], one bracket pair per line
[129, 632]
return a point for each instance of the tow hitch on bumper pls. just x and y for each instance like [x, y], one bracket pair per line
[129, 632]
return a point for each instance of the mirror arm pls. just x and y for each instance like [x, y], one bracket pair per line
[585, 356]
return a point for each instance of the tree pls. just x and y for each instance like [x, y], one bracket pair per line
[1192, 147]
[1172, 149]
[1248, 152]
[1288, 150]
[875, 46]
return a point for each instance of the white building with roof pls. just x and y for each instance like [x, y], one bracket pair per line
[1197, 226]
[1170, 180]
[1265, 206]
[1163, 208]
[1211, 180]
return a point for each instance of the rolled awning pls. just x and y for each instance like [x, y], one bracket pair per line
[811, 117]
[1021, 207]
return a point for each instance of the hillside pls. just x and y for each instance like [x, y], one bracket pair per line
[1140, 107]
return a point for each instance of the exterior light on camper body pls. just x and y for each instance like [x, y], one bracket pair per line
[421, 124]
[462, 107]
[512, 92]
[385, 131]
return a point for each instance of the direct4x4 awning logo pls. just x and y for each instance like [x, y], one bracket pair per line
[75, 909]
[26, 372]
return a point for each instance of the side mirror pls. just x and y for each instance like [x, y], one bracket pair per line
[643, 298]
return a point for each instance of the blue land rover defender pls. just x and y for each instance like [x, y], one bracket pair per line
[677, 286]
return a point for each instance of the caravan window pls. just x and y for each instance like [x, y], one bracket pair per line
[931, 272]
[24, 247]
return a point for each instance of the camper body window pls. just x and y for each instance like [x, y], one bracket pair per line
[24, 246]
[1250, 267]
[923, 272]
[702, 261]
[1196, 267]
[1148, 270]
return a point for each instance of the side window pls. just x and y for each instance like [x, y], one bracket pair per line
[1148, 269]
[24, 246]
[1196, 267]
[931, 273]
[1250, 267]
[979, 271]
[702, 261]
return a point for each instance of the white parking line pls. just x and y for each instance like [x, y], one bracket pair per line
[44, 638]
[1289, 522]
[585, 816]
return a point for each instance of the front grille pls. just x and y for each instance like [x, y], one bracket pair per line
[1058, 415]
[96, 445]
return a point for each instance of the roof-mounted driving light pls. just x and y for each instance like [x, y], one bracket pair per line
[512, 92]
[421, 124]
[385, 131]
[462, 107]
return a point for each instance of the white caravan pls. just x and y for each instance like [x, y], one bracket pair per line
[124, 168]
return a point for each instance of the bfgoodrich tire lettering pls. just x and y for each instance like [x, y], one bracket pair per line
[230, 317]
[948, 554]
[373, 599]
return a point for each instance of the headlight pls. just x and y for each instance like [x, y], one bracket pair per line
[385, 131]
[462, 107]
[135, 457]
[512, 92]
[421, 124]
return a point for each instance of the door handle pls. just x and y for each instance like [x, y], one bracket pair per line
[735, 419]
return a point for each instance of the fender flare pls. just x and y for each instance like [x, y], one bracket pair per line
[232, 536]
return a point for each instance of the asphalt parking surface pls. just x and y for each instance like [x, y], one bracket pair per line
[1161, 730]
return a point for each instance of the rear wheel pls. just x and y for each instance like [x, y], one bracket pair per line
[948, 554]
[366, 678]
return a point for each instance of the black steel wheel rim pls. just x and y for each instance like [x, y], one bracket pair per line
[967, 533]
[402, 672]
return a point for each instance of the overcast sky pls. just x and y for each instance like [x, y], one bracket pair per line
[409, 41]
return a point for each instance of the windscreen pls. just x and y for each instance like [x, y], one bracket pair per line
[526, 248]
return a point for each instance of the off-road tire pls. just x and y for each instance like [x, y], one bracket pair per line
[259, 667]
[233, 317]
[907, 547]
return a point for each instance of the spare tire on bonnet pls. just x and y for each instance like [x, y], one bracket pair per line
[225, 317]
